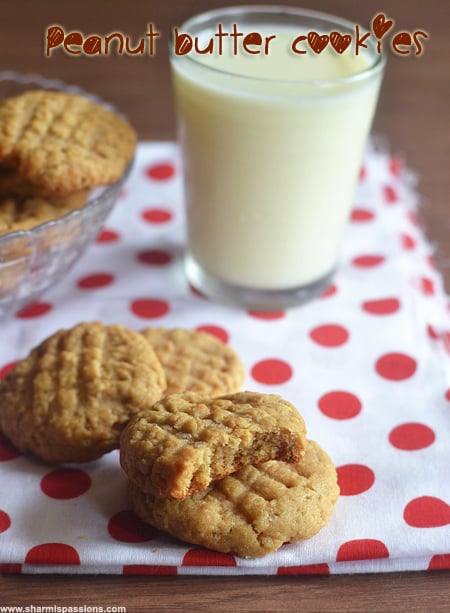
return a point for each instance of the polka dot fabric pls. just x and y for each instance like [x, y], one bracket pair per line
[367, 364]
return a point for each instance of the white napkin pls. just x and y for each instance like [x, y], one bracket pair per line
[366, 365]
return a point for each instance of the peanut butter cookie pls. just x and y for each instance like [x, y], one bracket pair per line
[69, 400]
[196, 361]
[252, 512]
[184, 442]
[63, 143]
[25, 213]
[12, 184]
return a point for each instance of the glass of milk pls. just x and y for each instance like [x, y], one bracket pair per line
[272, 135]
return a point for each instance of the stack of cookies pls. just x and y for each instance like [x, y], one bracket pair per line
[232, 471]
[54, 148]
[234, 474]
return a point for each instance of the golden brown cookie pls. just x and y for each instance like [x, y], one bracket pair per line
[196, 361]
[23, 214]
[252, 512]
[69, 400]
[184, 442]
[13, 184]
[63, 143]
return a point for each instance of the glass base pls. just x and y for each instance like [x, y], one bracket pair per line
[252, 299]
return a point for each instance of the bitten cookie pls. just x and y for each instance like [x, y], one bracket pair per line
[196, 361]
[69, 400]
[63, 143]
[252, 512]
[184, 442]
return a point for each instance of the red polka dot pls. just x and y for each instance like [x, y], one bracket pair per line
[13, 569]
[267, 315]
[307, 569]
[439, 562]
[271, 372]
[65, 483]
[156, 215]
[216, 331]
[396, 366]
[426, 286]
[126, 527]
[411, 436]
[362, 215]
[330, 291]
[362, 549]
[6, 369]
[395, 166]
[368, 261]
[445, 337]
[383, 306]
[390, 194]
[340, 405]
[329, 335]
[36, 309]
[5, 521]
[429, 259]
[204, 557]
[362, 173]
[107, 236]
[147, 569]
[432, 333]
[447, 395]
[149, 308]
[53, 553]
[196, 292]
[427, 512]
[96, 281]
[161, 171]
[354, 479]
[413, 217]
[154, 257]
[7, 451]
[407, 242]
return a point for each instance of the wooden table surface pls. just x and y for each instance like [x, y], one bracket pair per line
[414, 116]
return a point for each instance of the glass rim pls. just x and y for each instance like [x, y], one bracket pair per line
[260, 9]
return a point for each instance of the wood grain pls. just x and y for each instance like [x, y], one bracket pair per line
[347, 593]
[413, 115]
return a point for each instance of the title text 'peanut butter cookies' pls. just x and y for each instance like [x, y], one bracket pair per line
[63, 143]
[69, 400]
[252, 512]
[184, 442]
[196, 361]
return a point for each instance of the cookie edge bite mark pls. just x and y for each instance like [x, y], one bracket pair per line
[232, 431]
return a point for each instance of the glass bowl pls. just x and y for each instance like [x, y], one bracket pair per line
[33, 260]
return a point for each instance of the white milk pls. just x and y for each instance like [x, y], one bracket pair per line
[271, 161]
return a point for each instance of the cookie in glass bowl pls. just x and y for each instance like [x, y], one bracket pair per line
[64, 156]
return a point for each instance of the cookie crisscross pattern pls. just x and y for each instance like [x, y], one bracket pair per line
[62, 142]
[196, 361]
[184, 442]
[70, 399]
[253, 511]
